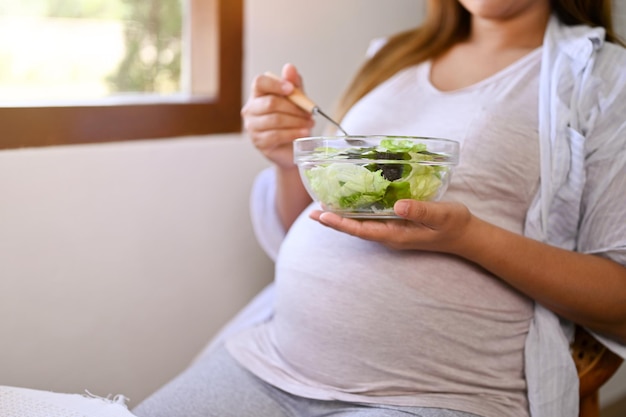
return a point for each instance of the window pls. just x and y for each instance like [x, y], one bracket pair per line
[207, 101]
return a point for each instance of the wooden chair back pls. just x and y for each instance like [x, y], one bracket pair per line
[595, 365]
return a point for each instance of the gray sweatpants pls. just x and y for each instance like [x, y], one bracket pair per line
[217, 386]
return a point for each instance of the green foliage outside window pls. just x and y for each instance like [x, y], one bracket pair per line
[153, 47]
[152, 31]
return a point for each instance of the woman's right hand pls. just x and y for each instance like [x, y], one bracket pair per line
[272, 120]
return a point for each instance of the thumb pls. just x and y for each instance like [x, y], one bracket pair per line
[290, 73]
[435, 215]
[416, 211]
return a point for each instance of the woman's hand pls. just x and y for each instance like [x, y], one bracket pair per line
[272, 121]
[430, 226]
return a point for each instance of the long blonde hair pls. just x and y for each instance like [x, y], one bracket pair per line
[446, 24]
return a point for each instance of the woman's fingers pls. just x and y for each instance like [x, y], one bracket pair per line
[264, 84]
[269, 139]
[272, 104]
[276, 121]
[423, 225]
[365, 229]
[426, 214]
[290, 73]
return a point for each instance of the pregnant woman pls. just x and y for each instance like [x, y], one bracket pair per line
[464, 307]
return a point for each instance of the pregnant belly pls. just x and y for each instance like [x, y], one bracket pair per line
[379, 321]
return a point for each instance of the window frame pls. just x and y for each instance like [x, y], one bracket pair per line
[102, 121]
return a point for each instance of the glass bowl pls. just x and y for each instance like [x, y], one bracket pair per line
[363, 176]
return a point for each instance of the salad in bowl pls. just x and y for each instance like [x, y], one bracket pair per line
[363, 176]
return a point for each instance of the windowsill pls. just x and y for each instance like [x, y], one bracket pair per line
[117, 100]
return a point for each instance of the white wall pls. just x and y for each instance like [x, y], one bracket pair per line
[119, 261]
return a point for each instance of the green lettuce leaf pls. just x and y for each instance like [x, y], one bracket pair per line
[344, 185]
[376, 185]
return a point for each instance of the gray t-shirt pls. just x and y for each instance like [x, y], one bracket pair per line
[356, 321]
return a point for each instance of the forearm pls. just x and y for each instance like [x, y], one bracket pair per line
[291, 196]
[587, 289]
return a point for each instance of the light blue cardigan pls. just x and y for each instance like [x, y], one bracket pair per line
[582, 204]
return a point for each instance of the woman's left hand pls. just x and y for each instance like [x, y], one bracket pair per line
[431, 226]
